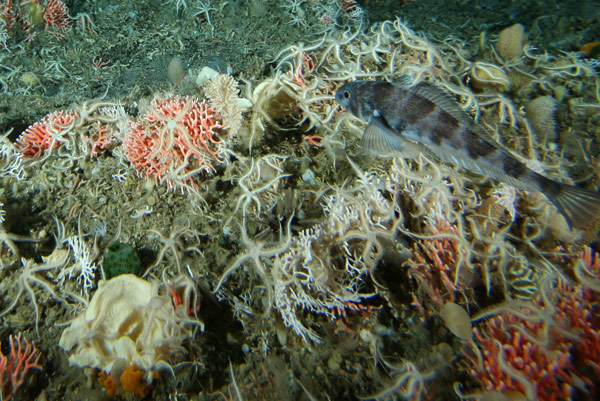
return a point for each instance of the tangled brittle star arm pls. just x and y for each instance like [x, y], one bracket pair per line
[8, 239]
[175, 244]
[28, 277]
[255, 252]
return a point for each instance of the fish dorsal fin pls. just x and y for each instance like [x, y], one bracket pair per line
[380, 140]
[403, 81]
[444, 101]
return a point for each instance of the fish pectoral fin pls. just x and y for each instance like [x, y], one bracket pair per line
[579, 206]
[380, 140]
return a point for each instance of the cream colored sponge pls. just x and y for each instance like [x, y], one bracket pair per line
[126, 320]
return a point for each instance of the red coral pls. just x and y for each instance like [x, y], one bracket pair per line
[540, 350]
[434, 264]
[177, 140]
[99, 139]
[15, 366]
[578, 311]
[55, 16]
[8, 14]
[513, 363]
[46, 134]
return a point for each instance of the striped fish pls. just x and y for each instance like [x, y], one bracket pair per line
[423, 118]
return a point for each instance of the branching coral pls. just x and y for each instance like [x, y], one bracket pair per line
[177, 140]
[535, 347]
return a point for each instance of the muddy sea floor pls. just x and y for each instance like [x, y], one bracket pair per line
[126, 57]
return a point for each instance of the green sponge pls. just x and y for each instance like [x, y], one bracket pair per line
[121, 258]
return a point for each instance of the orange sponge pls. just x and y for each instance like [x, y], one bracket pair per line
[109, 385]
[589, 47]
[132, 381]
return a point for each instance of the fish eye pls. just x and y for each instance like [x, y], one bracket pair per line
[346, 95]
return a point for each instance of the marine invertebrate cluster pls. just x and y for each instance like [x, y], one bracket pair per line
[392, 48]
[310, 236]
[31, 15]
[514, 363]
[46, 134]
[324, 267]
[177, 141]
[538, 347]
[485, 222]
[64, 137]
[320, 270]
[329, 13]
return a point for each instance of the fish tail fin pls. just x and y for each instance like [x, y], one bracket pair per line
[580, 207]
